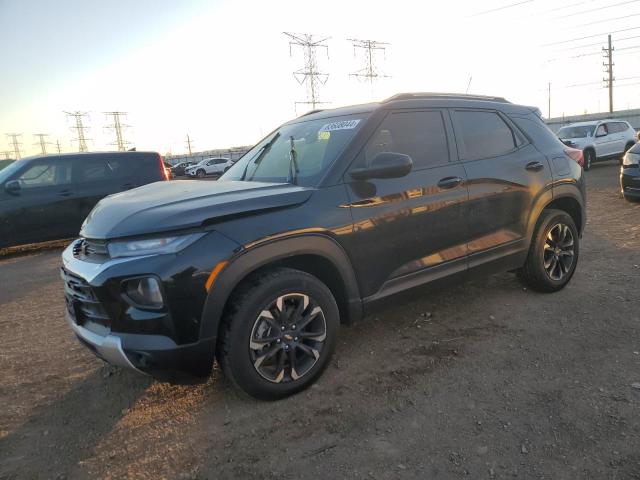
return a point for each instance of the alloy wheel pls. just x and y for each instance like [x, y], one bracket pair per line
[558, 253]
[287, 338]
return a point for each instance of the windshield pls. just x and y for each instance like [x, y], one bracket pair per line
[298, 153]
[576, 132]
[9, 170]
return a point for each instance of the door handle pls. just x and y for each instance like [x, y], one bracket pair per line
[449, 182]
[65, 193]
[534, 166]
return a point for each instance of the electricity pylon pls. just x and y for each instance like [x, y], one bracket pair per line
[369, 72]
[117, 127]
[80, 129]
[309, 74]
[14, 141]
[42, 143]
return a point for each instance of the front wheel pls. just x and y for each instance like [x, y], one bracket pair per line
[278, 333]
[201, 173]
[553, 254]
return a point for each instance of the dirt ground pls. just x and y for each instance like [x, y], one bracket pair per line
[481, 380]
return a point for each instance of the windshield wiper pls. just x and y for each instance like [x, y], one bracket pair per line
[293, 162]
[259, 156]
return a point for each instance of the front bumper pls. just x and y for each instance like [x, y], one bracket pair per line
[168, 344]
[630, 181]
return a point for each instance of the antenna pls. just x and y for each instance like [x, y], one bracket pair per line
[369, 73]
[42, 143]
[117, 127]
[14, 140]
[309, 74]
[80, 129]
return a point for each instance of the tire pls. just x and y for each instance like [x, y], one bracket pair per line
[255, 328]
[201, 173]
[548, 269]
[589, 157]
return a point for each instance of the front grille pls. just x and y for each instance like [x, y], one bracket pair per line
[90, 249]
[82, 304]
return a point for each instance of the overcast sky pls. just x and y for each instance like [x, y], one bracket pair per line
[221, 70]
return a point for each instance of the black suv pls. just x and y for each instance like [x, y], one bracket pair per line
[328, 214]
[47, 197]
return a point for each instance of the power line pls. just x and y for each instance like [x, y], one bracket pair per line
[504, 7]
[588, 36]
[567, 6]
[369, 72]
[309, 74]
[80, 129]
[117, 127]
[42, 143]
[605, 20]
[573, 14]
[576, 47]
[14, 140]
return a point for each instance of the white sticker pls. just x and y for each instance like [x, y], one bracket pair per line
[343, 125]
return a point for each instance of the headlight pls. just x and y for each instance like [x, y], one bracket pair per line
[151, 246]
[630, 158]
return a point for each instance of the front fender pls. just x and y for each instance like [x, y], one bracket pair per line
[259, 255]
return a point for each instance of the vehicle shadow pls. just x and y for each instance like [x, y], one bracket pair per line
[55, 439]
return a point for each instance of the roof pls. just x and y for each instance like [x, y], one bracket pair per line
[416, 100]
[90, 154]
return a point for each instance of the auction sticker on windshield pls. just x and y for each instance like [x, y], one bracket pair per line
[343, 125]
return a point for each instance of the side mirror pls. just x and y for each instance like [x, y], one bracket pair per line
[384, 165]
[13, 187]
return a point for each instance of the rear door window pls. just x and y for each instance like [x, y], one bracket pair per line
[101, 168]
[483, 134]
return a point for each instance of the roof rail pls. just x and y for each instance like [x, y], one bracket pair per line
[436, 95]
[311, 112]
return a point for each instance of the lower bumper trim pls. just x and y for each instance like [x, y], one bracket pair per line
[108, 347]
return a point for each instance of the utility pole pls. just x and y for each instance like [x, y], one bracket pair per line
[117, 127]
[58, 146]
[189, 143]
[369, 72]
[468, 85]
[14, 140]
[42, 143]
[80, 129]
[608, 55]
[309, 74]
[549, 114]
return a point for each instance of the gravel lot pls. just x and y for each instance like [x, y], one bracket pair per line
[480, 380]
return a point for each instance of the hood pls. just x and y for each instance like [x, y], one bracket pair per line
[179, 204]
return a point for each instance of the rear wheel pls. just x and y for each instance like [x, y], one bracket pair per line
[553, 254]
[589, 157]
[201, 173]
[279, 333]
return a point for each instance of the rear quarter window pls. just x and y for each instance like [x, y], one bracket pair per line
[483, 134]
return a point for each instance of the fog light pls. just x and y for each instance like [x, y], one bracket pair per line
[144, 292]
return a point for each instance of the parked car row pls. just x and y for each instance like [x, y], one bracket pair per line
[599, 140]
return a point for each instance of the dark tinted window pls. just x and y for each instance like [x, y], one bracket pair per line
[47, 174]
[421, 135]
[101, 168]
[220, 161]
[484, 134]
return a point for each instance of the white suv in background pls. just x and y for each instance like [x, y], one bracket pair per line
[599, 140]
[209, 166]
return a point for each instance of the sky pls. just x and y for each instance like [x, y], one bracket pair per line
[221, 71]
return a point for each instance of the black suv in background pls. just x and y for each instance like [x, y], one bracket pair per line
[329, 214]
[47, 197]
